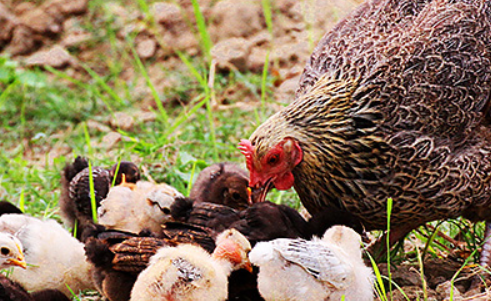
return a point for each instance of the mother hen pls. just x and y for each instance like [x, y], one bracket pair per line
[393, 103]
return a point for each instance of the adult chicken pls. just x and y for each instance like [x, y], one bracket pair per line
[393, 103]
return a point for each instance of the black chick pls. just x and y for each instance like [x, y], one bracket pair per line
[328, 217]
[222, 183]
[7, 208]
[266, 221]
[13, 291]
[75, 200]
[204, 214]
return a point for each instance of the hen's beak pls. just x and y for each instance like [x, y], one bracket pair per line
[258, 193]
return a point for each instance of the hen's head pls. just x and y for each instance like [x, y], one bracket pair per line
[271, 165]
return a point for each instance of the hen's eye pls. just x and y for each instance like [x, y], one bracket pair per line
[5, 251]
[273, 159]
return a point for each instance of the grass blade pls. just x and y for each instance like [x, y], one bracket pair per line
[263, 86]
[93, 204]
[103, 84]
[158, 102]
[268, 15]
[389, 212]
[206, 43]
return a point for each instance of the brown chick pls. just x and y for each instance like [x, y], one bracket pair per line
[222, 183]
[75, 199]
[188, 272]
[12, 291]
[119, 256]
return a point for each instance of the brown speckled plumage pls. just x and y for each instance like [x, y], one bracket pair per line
[394, 103]
[75, 200]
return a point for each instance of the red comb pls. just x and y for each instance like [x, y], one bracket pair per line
[247, 150]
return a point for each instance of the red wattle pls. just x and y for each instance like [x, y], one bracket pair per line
[284, 182]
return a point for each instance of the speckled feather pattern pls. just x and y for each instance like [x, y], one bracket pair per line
[79, 188]
[394, 103]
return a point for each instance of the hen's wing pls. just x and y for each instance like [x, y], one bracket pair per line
[424, 66]
[366, 28]
[317, 259]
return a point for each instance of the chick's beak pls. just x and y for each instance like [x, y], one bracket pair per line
[247, 266]
[20, 260]
[257, 194]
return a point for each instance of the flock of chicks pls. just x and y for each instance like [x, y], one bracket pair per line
[152, 243]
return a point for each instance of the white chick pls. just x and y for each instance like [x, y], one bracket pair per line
[55, 259]
[11, 252]
[320, 269]
[134, 207]
[187, 272]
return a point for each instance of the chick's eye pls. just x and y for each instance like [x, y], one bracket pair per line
[273, 159]
[5, 251]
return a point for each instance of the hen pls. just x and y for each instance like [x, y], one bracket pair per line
[393, 103]
[320, 269]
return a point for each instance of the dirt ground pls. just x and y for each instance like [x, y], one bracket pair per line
[50, 34]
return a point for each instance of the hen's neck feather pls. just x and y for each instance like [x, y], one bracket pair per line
[337, 135]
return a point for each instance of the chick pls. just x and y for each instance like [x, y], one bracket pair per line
[75, 200]
[12, 291]
[11, 251]
[188, 272]
[134, 207]
[222, 183]
[204, 214]
[119, 256]
[320, 269]
[56, 259]
[11, 255]
[7, 207]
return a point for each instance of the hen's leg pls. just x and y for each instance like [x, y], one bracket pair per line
[485, 260]
[379, 248]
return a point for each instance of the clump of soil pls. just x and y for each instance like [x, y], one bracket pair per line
[52, 34]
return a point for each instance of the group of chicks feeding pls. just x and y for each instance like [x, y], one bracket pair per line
[152, 243]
